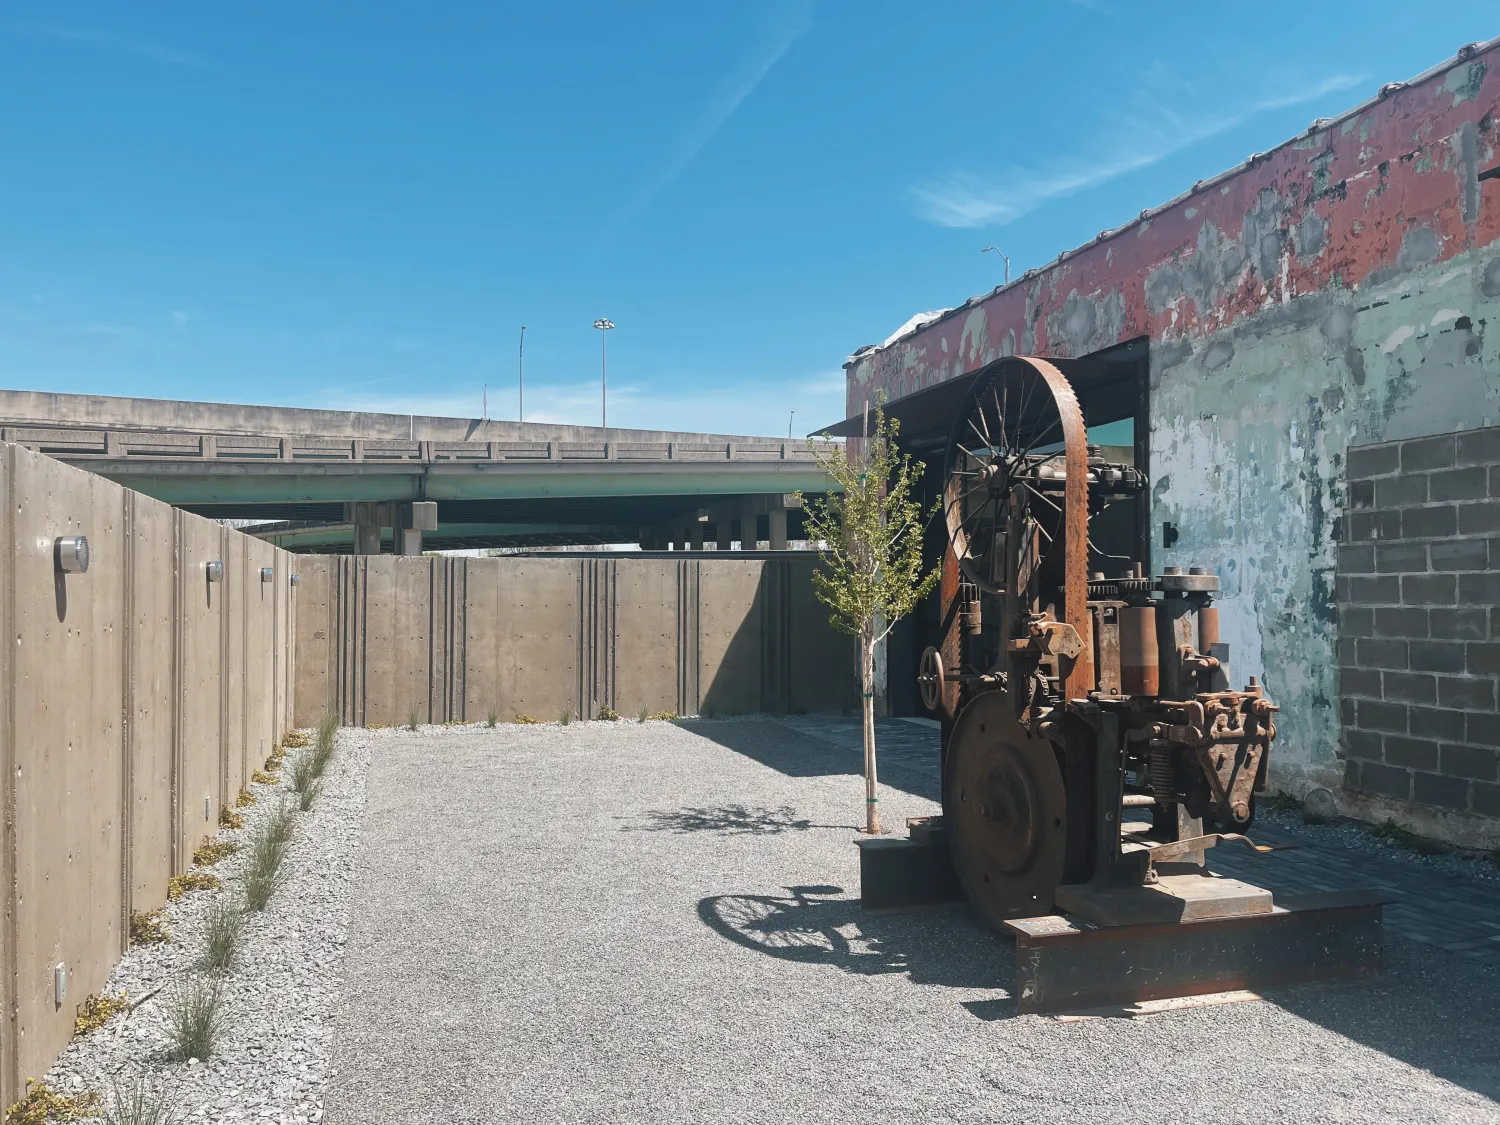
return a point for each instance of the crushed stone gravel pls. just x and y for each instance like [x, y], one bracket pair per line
[624, 922]
[272, 1061]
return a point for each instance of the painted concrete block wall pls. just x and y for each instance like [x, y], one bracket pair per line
[112, 728]
[1341, 289]
[538, 637]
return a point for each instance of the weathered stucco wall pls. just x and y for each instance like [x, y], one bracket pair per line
[1335, 291]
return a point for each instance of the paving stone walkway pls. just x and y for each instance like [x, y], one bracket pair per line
[1427, 906]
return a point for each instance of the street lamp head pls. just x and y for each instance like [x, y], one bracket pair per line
[604, 325]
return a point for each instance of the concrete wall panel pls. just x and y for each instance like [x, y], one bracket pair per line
[648, 602]
[524, 633]
[396, 619]
[234, 685]
[201, 789]
[730, 636]
[314, 679]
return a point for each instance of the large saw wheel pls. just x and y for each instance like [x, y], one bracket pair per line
[1004, 812]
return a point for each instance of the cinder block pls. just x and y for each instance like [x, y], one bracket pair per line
[1472, 693]
[1381, 653]
[1486, 798]
[1356, 559]
[1437, 722]
[1428, 453]
[1363, 744]
[1375, 591]
[1413, 753]
[1483, 658]
[1387, 717]
[1384, 781]
[1361, 494]
[1460, 554]
[1347, 716]
[1444, 792]
[1482, 517]
[1360, 681]
[1479, 447]
[1479, 589]
[1436, 656]
[1400, 557]
[1433, 522]
[1495, 480]
[1400, 621]
[1464, 624]
[1364, 526]
[1347, 657]
[1400, 491]
[1359, 622]
[1459, 484]
[1482, 728]
[1409, 687]
[1428, 589]
[1476, 762]
[1373, 460]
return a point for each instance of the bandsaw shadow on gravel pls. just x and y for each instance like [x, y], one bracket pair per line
[813, 925]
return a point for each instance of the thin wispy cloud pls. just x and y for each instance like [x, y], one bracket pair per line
[785, 23]
[127, 44]
[1153, 132]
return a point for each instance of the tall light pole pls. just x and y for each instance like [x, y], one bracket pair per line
[521, 377]
[604, 325]
[997, 250]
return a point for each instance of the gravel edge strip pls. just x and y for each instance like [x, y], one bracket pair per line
[281, 994]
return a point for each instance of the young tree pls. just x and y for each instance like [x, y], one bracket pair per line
[870, 572]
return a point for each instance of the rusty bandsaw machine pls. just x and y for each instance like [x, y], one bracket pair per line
[1094, 745]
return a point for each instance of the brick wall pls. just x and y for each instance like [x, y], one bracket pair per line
[1419, 621]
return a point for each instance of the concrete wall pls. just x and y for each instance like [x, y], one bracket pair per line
[124, 703]
[1333, 292]
[382, 637]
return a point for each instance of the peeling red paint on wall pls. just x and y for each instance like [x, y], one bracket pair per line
[1391, 187]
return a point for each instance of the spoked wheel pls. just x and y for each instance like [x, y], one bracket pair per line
[1004, 812]
[930, 679]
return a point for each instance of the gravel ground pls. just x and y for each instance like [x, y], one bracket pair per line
[272, 1063]
[1358, 837]
[659, 923]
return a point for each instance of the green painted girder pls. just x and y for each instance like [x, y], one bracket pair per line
[327, 535]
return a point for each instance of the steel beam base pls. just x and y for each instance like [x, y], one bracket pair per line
[898, 875]
[1068, 964]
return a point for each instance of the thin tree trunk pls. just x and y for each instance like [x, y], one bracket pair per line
[867, 712]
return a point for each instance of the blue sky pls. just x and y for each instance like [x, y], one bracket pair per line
[357, 205]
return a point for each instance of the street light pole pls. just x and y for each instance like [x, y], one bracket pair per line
[997, 250]
[521, 377]
[604, 325]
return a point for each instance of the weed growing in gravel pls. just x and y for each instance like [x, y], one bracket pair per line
[1393, 833]
[195, 1019]
[228, 818]
[566, 717]
[264, 874]
[245, 799]
[95, 1011]
[296, 740]
[211, 851]
[179, 885]
[141, 1104]
[493, 718]
[525, 720]
[664, 716]
[43, 1104]
[643, 714]
[607, 713]
[306, 797]
[304, 777]
[328, 729]
[261, 777]
[375, 726]
[411, 719]
[322, 752]
[223, 924]
[149, 927]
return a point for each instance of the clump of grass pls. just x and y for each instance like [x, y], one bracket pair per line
[141, 1104]
[492, 720]
[195, 1019]
[375, 726]
[525, 720]
[664, 716]
[643, 714]
[305, 780]
[306, 797]
[607, 713]
[95, 1011]
[1395, 834]
[223, 924]
[228, 818]
[411, 719]
[245, 799]
[149, 927]
[179, 885]
[261, 777]
[566, 717]
[43, 1104]
[264, 874]
[211, 851]
[296, 740]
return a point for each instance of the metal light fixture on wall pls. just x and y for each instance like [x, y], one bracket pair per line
[215, 571]
[296, 579]
[268, 574]
[72, 553]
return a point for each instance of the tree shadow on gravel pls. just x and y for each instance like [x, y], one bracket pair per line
[730, 820]
[944, 947]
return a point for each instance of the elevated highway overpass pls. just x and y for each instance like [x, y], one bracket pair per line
[333, 480]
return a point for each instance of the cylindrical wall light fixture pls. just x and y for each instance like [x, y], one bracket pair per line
[215, 571]
[296, 579]
[72, 554]
[268, 574]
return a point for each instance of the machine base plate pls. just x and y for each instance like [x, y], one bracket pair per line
[1176, 898]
